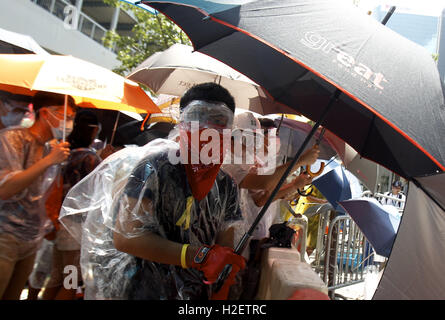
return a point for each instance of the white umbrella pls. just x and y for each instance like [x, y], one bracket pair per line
[178, 68]
[13, 42]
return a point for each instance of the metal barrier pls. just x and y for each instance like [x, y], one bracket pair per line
[380, 196]
[342, 251]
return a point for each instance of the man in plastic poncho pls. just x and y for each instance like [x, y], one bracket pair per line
[24, 180]
[170, 229]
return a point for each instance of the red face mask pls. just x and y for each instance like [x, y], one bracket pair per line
[201, 175]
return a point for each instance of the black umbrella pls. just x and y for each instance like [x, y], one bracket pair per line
[392, 110]
[306, 53]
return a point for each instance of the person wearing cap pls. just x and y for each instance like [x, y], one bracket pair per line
[14, 110]
[25, 161]
[174, 221]
[247, 174]
[395, 193]
[256, 185]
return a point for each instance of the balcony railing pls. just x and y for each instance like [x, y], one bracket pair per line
[86, 25]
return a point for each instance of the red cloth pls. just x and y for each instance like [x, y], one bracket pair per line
[215, 261]
[308, 294]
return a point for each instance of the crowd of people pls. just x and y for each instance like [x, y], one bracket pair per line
[135, 223]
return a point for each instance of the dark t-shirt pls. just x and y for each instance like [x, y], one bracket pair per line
[80, 163]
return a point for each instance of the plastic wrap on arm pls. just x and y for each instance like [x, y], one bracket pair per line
[10, 164]
[23, 215]
[136, 191]
[89, 213]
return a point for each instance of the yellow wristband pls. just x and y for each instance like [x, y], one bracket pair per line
[183, 255]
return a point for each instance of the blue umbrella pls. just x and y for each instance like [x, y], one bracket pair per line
[375, 221]
[335, 186]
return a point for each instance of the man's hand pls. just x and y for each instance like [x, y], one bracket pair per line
[107, 151]
[216, 259]
[302, 180]
[299, 182]
[59, 153]
[309, 156]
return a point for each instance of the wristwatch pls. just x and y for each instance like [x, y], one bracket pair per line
[201, 254]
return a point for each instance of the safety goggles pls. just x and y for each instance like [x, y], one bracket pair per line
[209, 115]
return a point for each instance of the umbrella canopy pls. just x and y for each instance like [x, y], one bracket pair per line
[169, 106]
[292, 134]
[415, 269]
[335, 186]
[178, 68]
[376, 222]
[91, 85]
[366, 170]
[12, 42]
[391, 109]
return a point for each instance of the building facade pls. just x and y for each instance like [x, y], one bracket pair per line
[72, 27]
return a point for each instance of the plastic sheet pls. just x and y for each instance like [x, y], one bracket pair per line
[134, 191]
[23, 215]
[42, 265]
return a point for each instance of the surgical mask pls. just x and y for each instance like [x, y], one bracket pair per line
[58, 131]
[28, 120]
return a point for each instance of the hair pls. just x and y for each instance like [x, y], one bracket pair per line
[45, 99]
[130, 133]
[397, 184]
[210, 92]
[82, 134]
[267, 123]
[4, 95]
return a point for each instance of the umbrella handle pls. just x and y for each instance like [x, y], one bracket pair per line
[315, 174]
[308, 193]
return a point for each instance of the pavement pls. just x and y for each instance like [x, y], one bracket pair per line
[362, 290]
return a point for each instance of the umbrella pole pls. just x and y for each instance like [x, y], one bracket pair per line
[388, 15]
[64, 118]
[115, 127]
[243, 242]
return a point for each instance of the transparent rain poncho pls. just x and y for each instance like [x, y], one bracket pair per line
[135, 191]
[23, 215]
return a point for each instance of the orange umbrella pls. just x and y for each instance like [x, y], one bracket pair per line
[90, 85]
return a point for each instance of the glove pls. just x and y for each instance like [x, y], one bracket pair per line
[223, 293]
[212, 260]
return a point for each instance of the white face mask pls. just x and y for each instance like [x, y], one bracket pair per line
[58, 131]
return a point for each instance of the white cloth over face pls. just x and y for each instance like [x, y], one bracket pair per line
[24, 215]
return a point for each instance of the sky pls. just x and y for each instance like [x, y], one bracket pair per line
[426, 36]
[432, 7]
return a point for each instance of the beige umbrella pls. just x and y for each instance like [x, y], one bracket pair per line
[178, 68]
